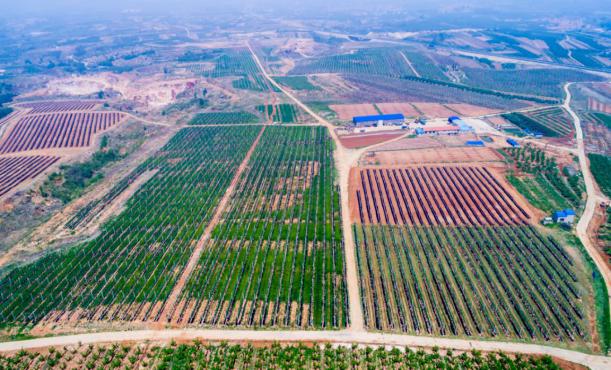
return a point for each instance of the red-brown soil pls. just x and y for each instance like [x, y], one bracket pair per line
[347, 111]
[363, 140]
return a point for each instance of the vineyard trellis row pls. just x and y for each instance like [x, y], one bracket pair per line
[58, 106]
[388, 196]
[129, 270]
[57, 130]
[443, 271]
[15, 170]
[276, 258]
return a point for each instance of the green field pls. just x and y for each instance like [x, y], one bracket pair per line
[276, 258]
[224, 356]
[551, 122]
[280, 113]
[544, 186]
[296, 82]
[135, 261]
[224, 118]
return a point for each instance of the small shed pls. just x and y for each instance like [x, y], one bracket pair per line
[513, 143]
[565, 216]
[477, 143]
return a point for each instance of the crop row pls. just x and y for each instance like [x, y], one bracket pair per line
[276, 258]
[275, 356]
[281, 113]
[15, 170]
[435, 196]
[128, 271]
[57, 130]
[224, 118]
[58, 106]
[482, 281]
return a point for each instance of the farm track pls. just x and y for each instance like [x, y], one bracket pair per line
[593, 196]
[340, 337]
[199, 247]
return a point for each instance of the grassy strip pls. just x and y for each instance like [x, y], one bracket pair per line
[603, 118]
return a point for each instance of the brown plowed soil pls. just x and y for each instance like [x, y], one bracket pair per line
[364, 140]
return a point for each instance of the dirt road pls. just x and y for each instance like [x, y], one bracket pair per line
[409, 63]
[343, 160]
[342, 337]
[593, 197]
[172, 300]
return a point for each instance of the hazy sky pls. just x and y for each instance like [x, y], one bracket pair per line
[50, 7]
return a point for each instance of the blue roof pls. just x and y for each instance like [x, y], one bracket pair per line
[475, 143]
[512, 142]
[453, 118]
[379, 117]
[564, 213]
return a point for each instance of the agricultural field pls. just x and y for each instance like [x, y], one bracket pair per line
[58, 106]
[217, 63]
[535, 82]
[541, 181]
[276, 258]
[128, 271]
[448, 251]
[197, 355]
[376, 61]
[424, 65]
[600, 165]
[387, 197]
[281, 113]
[347, 111]
[224, 118]
[597, 132]
[57, 130]
[551, 122]
[296, 82]
[15, 170]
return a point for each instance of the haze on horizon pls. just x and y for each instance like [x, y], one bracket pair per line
[177, 7]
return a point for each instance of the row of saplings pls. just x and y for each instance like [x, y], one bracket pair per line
[225, 356]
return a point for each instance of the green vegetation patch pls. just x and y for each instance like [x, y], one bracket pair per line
[544, 185]
[527, 123]
[224, 118]
[72, 179]
[600, 166]
[276, 356]
[296, 82]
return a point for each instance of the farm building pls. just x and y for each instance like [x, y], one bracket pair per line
[513, 143]
[379, 120]
[438, 130]
[462, 125]
[477, 143]
[565, 216]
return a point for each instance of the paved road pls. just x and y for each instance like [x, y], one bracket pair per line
[342, 337]
[593, 197]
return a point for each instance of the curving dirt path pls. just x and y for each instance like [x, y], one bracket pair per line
[593, 195]
[341, 337]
